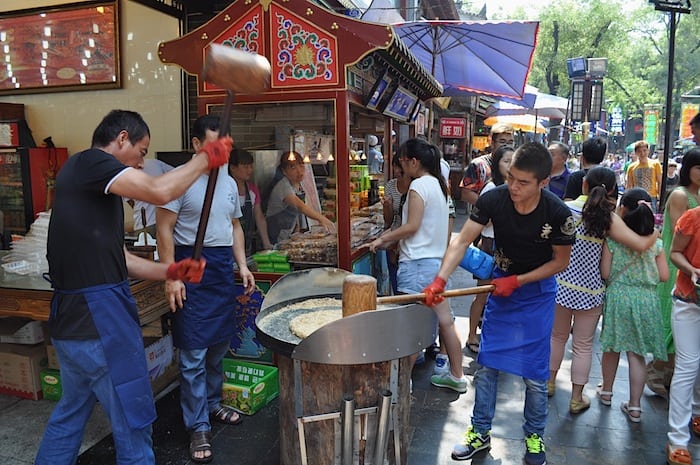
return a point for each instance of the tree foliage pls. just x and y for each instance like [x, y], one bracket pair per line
[635, 39]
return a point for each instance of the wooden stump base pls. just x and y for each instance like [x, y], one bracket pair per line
[321, 392]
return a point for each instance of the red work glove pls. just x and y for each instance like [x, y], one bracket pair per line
[218, 151]
[187, 270]
[505, 286]
[433, 291]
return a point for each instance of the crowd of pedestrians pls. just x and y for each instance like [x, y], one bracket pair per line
[567, 254]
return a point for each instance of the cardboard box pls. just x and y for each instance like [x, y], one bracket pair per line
[159, 355]
[20, 331]
[20, 369]
[51, 386]
[248, 386]
[52, 357]
[171, 374]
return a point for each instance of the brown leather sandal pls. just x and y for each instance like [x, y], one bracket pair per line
[678, 456]
[695, 426]
[226, 415]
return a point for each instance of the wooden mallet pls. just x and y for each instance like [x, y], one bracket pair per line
[236, 71]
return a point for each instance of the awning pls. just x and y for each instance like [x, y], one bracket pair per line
[525, 123]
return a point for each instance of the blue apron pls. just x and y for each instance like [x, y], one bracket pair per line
[207, 317]
[516, 330]
[120, 335]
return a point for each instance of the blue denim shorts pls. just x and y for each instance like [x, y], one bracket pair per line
[414, 275]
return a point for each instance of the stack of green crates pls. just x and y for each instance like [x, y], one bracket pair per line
[272, 261]
[359, 177]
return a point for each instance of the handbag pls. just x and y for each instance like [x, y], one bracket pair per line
[478, 262]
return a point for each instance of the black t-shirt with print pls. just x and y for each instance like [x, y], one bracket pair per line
[524, 242]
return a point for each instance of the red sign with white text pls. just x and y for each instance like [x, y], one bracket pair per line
[454, 128]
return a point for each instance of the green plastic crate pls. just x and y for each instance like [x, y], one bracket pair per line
[270, 256]
[248, 386]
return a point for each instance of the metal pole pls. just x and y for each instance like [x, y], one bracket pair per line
[669, 105]
[347, 439]
[382, 427]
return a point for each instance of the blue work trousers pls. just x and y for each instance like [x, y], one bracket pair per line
[201, 379]
[85, 380]
[536, 402]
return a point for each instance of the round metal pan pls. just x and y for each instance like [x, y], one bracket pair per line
[367, 337]
[272, 324]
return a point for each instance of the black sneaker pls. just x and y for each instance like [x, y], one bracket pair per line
[473, 442]
[534, 450]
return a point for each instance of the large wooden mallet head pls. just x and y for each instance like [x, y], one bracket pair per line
[236, 70]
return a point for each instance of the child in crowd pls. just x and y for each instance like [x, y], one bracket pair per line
[632, 318]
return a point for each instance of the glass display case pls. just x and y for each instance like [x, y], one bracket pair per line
[26, 184]
[13, 194]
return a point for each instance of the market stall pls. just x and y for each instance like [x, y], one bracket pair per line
[335, 82]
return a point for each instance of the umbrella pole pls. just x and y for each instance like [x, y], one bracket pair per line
[432, 71]
[430, 124]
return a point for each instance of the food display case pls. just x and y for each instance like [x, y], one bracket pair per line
[27, 173]
[27, 177]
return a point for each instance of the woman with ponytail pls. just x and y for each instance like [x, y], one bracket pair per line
[423, 237]
[580, 288]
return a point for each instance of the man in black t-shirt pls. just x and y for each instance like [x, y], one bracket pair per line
[94, 322]
[534, 232]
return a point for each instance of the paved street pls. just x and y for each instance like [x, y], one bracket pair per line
[602, 435]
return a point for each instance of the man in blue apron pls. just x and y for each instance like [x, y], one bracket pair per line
[204, 319]
[533, 233]
[94, 322]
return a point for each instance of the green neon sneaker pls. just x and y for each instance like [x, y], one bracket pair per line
[534, 450]
[472, 443]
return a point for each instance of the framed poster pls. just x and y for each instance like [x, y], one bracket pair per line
[378, 90]
[401, 104]
[60, 48]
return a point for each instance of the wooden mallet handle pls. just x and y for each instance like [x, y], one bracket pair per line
[224, 129]
[408, 298]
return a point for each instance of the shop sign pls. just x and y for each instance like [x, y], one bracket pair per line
[453, 127]
[617, 121]
[651, 117]
[688, 110]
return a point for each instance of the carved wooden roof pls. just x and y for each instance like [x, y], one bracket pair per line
[308, 46]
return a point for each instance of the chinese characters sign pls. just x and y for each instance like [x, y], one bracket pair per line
[453, 127]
